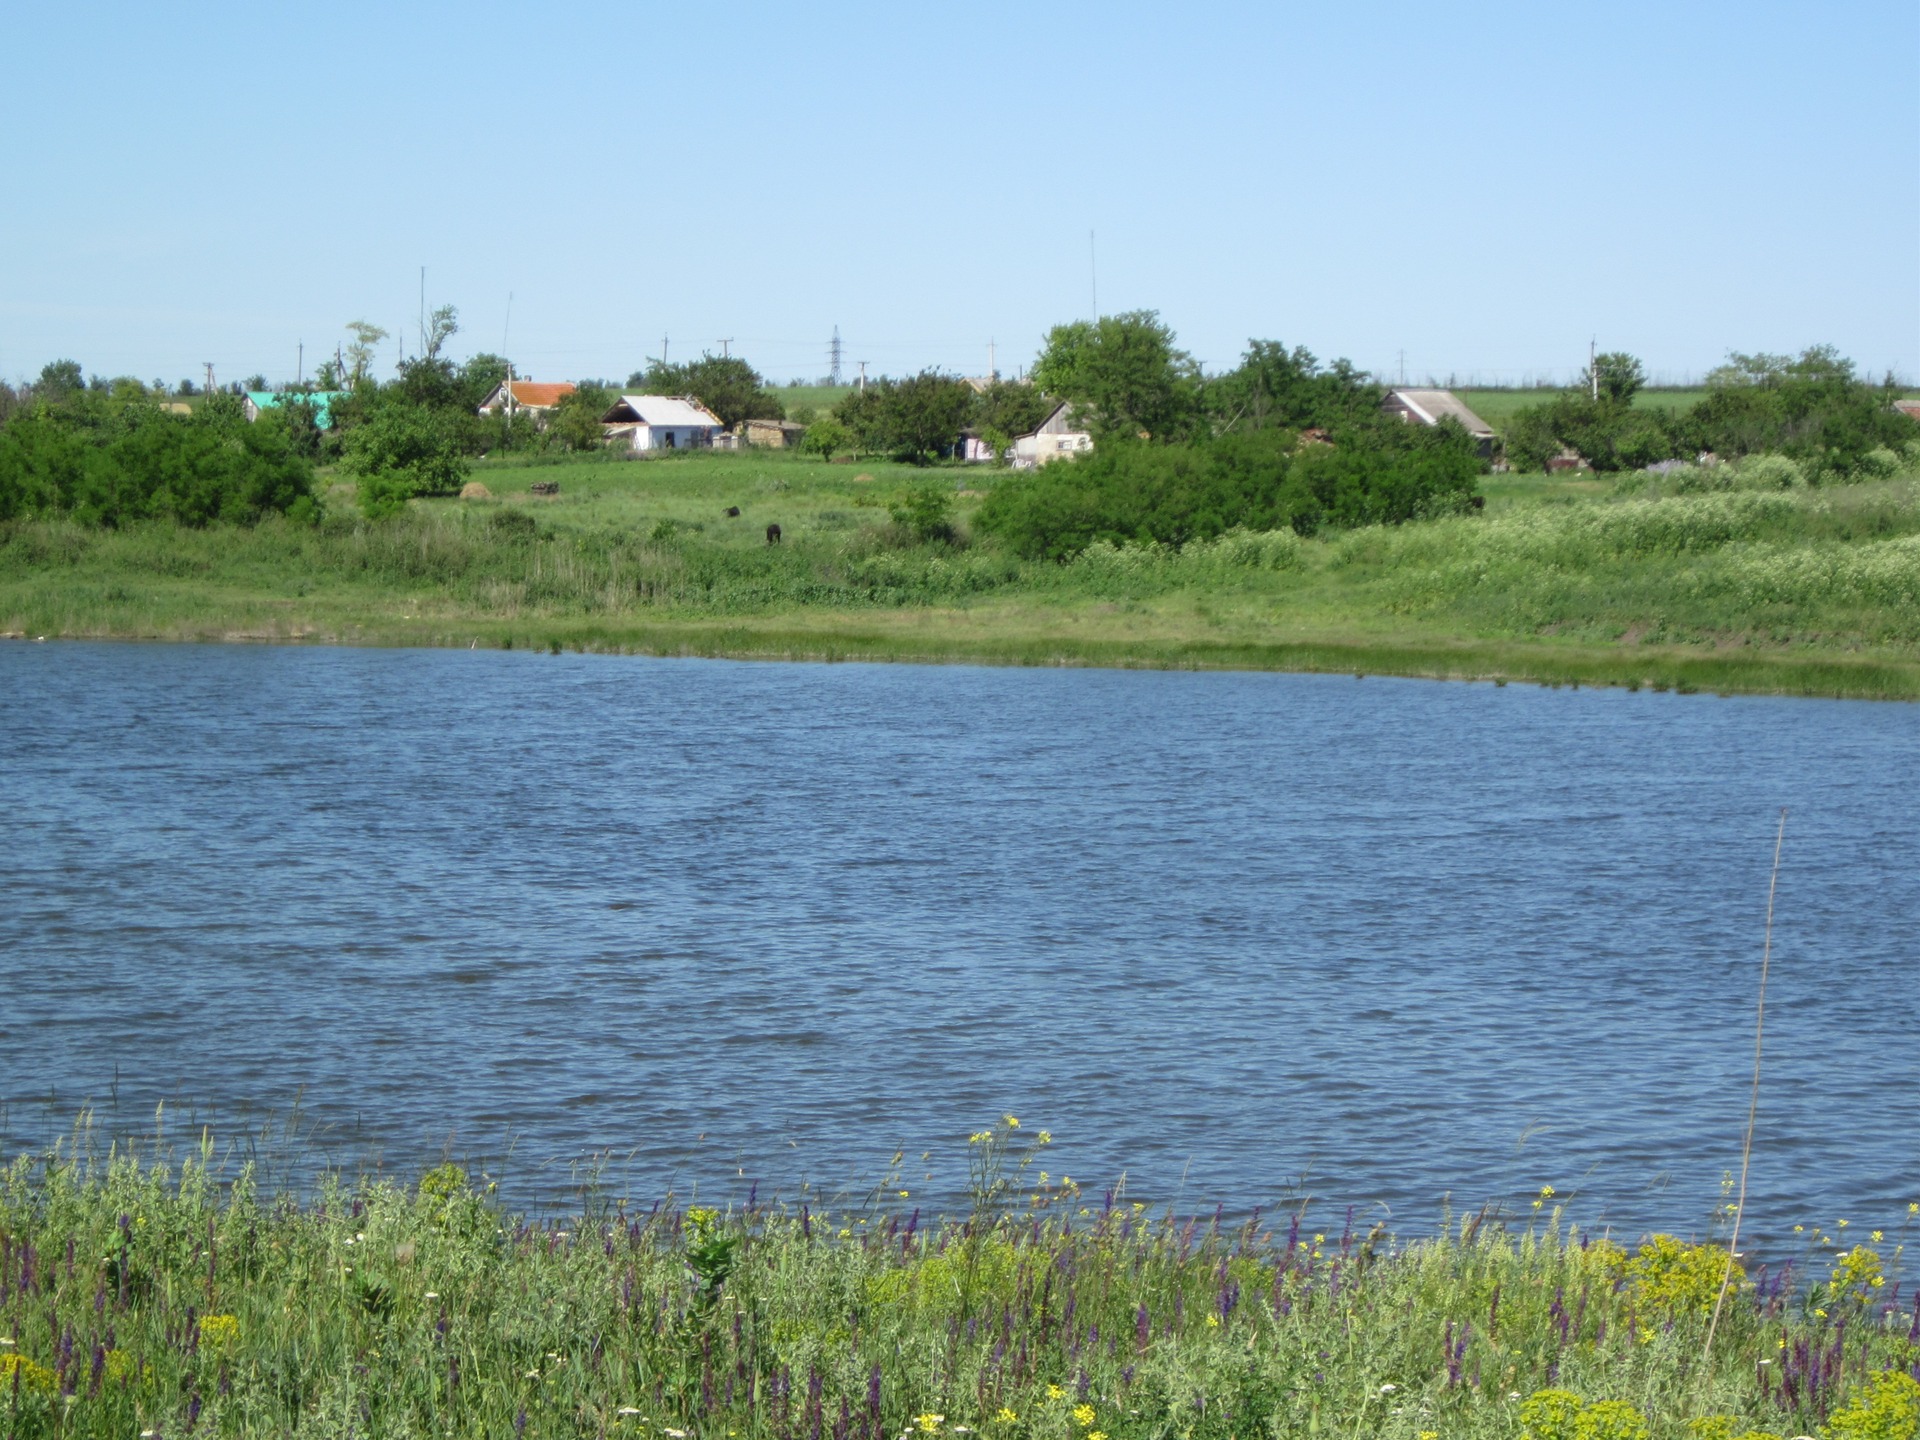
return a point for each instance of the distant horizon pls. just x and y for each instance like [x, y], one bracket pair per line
[1477, 198]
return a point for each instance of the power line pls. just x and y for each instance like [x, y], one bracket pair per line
[833, 358]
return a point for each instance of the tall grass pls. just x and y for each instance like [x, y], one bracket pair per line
[143, 1298]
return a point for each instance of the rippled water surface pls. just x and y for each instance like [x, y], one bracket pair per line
[761, 922]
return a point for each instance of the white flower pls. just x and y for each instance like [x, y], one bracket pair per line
[627, 1410]
[1388, 1389]
[678, 1434]
[1513, 1395]
[432, 1295]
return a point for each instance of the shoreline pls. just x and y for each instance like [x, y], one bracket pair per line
[1677, 668]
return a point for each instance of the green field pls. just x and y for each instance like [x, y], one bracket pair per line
[1799, 592]
[1496, 407]
[170, 1299]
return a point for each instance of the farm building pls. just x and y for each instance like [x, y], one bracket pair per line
[1059, 435]
[772, 434]
[536, 398]
[1908, 408]
[661, 422]
[258, 402]
[1430, 407]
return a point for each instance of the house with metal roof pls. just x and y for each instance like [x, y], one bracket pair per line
[1430, 407]
[1060, 436]
[661, 422]
[258, 402]
[535, 397]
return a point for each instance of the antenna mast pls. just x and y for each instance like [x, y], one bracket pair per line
[1093, 274]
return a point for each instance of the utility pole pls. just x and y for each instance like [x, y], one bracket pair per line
[209, 365]
[423, 309]
[725, 353]
[1593, 375]
[833, 358]
[863, 373]
[300, 364]
[663, 350]
[993, 367]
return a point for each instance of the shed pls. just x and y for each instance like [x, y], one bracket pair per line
[773, 434]
[662, 422]
[258, 402]
[537, 397]
[1059, 435]
[1430, 407]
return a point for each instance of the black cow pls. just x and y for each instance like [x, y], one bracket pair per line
[773, 534]
[733, 512]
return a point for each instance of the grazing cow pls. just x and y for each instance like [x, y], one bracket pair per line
[733, 512]
[773, 534]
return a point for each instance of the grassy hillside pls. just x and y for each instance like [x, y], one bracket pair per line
[1497, 406]
[1801, 592]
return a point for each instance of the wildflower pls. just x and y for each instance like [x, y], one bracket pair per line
[678, 1434]
[1046, 1137]
[980, 1137]
[1843, 1224]
[1213, 1322]
[1429, 1435]
[431, 1295]
[903, 1194]
[1876, 1237]
[1054, 1392]
[219, 1330]
[1388, 1388]
[19, 1370]
[628, 1410]
[1013, 1121]
[1096, 1435]
[929, 1424]
[1914, 1208]
[1083, 1415]
[1799, 1229]
[1006, 1416]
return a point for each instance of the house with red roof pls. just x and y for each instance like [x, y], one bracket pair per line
[534, 397]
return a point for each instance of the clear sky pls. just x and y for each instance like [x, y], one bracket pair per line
[1479, 187]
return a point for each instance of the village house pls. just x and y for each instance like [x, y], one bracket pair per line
[661, 422]
[1430, 407]
[535, 398]
[1058, 436]
[258, 402]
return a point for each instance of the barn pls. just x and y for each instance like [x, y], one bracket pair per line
[1430, 407]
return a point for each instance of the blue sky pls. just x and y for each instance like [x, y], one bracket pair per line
[1478, 187]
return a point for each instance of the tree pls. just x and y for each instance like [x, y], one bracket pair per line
[726, 384]
[915, 418]
[404, 451]
[1006, 409]
[1275, 387]
[480, 377]
[1620, 378]
[442, 325]
[575, 423]
[59, 379]
[1124, 375]
[825, 437]
[360, 350]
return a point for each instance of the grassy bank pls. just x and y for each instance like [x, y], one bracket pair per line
[138, 1299]
[1812, 592]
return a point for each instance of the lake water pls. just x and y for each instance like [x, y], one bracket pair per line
[1238, 936]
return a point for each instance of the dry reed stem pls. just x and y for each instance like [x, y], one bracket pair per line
[1753, 1098]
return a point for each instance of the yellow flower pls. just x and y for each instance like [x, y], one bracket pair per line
[1096, 1435]
[1843, 1224]
[980, 1137]
[29, 1376]
[929, 1424]
[1054, 1392]
[1006, 1416]
[1213, 1322]
[1429, 1435]
[1914, 1208]
[1083, 1415]
[1799, 1229]
[1046, 1137]
[903, 1194]
[1013, 1121]
[1876, 1237]
[1546, 1192]
[219, 1331]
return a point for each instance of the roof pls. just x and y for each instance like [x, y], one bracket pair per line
[1059, 421]
[661, 410]
[320, 400]
[1908, 407]
[1430, 407]
[541, 393]
[764, 421]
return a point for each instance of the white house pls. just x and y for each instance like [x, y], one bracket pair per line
[1430, 407]
[662, 422]
[1058, 436]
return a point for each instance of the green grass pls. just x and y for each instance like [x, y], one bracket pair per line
[1812, 592]
[148, 1299]
[1497, 407]
[821, 398]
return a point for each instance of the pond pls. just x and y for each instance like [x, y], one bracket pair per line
[1238, 939]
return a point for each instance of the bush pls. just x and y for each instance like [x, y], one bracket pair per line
[151, 465]
[925, 511]
[401, 452]
[1175, 494]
